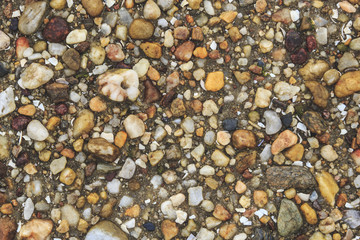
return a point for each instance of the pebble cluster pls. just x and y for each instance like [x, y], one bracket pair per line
[179, 119]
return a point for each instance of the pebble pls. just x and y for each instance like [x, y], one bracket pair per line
[319, 92]
[314, 122]
[273, 122]
[219, 158]
[76, 36]
[205, 234]
[36, 229]
[285, 91]
[348, 84]
[72, 59]
[4, 41]
[328, 187]
[67, 176]
[327, 225]
[134, 126]
[214, 81]
[152, 50]
[28, 209]
[314, 70]
[102, 149]
[346, 61]
[56, 49]
[105, 229]
[328, 153]
[128, 169]
[184, 51]
[165, 4]
[84, 123]
[282, 15]
[57, 165]
[149, 226]
[265, 46]
[309, 213]
[230, 124]
[285, 177]
[32, 17]
[262, 97]
[295, 153]
[284, 140]
[97, 54]
[352, 218]
[56, 30]
[355, 44]
[321, 35]
[243, 139]
[221, 213]
[58, 4]
[93, 7]
[151, 10]
[112, 82]
[36, 131]
[195, 195]
[7, 103]
[141, 29]
[35, 76]
[8, 228]
[289, 220]
[169, 229]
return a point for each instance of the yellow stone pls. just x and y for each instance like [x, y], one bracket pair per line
[317, 236]
[52, 123]
[152, 50]
[328, 186]
[133, 212]
[228, 16]
[45, 155]
[67, 176]
[295, 153]
[260, 198]
[78, 145]
[290, 193]
[214, 81]
[30, 169]
[212, 183]
[82, 226]
[63, 226]
[309, 213]
[93, 198]
[27, 110]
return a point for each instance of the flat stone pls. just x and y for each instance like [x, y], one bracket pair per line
[289, 220]
[286, 177]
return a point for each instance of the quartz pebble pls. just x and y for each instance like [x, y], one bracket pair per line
[32, 17]
[7, 102]
[36, 131]
[134, 126]
[105, 229]
[4, 41]
[35, 75]
[273, 122]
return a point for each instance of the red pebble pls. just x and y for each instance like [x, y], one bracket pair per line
[22, 43]
[56, 30]
[311, 43]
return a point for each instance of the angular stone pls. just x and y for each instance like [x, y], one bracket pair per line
[35, 75]
[286, 177]
[314, 122]
[328, 187]
[7, 102]
[284, 140]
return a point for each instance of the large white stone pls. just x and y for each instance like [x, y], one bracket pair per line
[35, 75]
[37, 131]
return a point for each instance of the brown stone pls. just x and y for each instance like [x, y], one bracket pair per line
[184, 51]
[221, 213]
[169, 229]
[103, 149]
[348, 84]
[141, 29]
[181, 33]
[152, 50]
[243, 139]
[319, 92]
[178, 108]
[58, 92]
[93, 7]
[285, 139]
[197, 34]
[7, 228]
[245, 160]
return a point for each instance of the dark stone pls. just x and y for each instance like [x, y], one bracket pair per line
[61, 109]
[311, 43]
[14, 22]
[20, 122]
[72, 59]
[3, 170]
[22, 159]
[56, 30]
[287, 119]
[230, 124]
[260, 234]
[292, 41]
[151, 93]
[299, 57]
[82, 47]
[314, 122]
[58, 92]
[110, 176]
[3, 70]
[286, 177]
[89, 169]
[289, 218]
[149, 226]
[168, 98]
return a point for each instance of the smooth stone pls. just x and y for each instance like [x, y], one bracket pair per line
[134, 126]
[37, 131]
[347, 61]
[105, 230]
[93, 7]
[76, 36]
[141, 29]
[31, 18]
[273, 122]
[35, 76]
[289, 218]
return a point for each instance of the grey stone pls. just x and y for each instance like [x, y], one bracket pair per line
[32, 17]
[289, 218]
[290, 177]
[347, 61]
